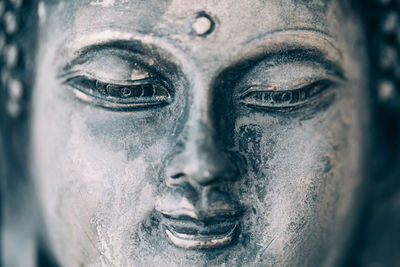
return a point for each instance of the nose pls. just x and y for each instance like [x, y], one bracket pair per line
[201, 160]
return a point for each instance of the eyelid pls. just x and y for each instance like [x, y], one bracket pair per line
[66, 77]
[258, 98]
[110, 94]
[276, 88]
[113, 60]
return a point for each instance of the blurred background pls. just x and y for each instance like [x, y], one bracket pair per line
[377, 242]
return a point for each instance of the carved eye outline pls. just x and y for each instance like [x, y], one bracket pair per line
[269, 98]
[127, 95]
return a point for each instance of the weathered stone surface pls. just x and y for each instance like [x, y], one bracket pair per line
[193, 133]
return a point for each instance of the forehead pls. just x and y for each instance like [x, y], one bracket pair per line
[236, 21]
[235, 16]
[238, 24]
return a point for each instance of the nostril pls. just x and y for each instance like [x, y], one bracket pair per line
[178, 175]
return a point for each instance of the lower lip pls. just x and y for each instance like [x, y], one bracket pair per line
[202, 241]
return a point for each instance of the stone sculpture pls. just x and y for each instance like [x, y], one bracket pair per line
[190, 133]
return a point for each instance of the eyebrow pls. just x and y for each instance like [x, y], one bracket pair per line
[319, 46]
[289, 35]
[290, 45]
[73, 48]
[302, 39]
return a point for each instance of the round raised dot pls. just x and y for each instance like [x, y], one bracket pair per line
[390, 22]
[15, 89]
[386, 90]
[11, 56]
[10, 22]
[13, 109]
[203, 25]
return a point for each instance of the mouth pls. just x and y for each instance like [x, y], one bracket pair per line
[207, 233]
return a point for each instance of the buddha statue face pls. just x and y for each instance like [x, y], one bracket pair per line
[185, 133]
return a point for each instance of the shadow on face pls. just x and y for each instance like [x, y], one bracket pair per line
[195, 133]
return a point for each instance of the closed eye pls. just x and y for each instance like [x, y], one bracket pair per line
[120, 95]
[264, 97]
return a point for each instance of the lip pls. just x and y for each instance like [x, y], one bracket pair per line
[202, 241]
[214, 231]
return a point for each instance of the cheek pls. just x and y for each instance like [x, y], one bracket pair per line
[94, 182]
[88, 157]
[303, 175]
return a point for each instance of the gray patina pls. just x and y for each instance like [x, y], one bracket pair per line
[199, 133]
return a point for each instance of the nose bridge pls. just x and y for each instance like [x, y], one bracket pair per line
[201, 159]
[200, 138]
[201, 145]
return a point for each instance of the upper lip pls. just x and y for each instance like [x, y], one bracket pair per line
[181, 208]
[195, 222]
[198, 215]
